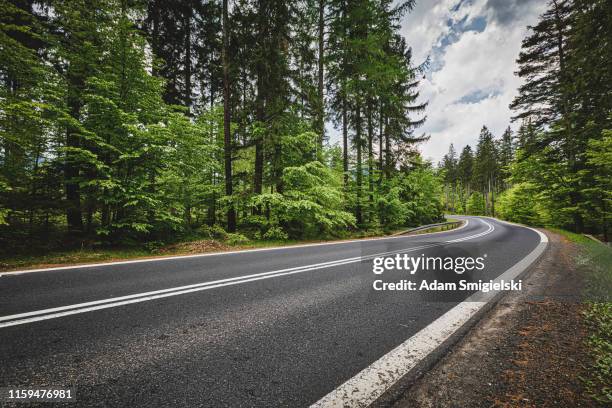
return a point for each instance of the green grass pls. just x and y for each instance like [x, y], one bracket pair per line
[596, 260]
[73, 257]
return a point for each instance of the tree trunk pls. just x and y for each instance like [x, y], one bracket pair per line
[188, 57]
[358, 213]
[493, 199]
[71, 168]
[380, 144]
[260, 101]
[345, 142]
[370, 155]
[227, 139]
[154, 8]
[387, 151]
[321, 96]
[259, 159]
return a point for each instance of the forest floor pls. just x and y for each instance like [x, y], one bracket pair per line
[540, 347]
[187, 247]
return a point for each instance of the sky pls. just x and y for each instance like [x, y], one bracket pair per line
[472, 46]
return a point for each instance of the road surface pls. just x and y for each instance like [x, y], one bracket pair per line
[266, 328]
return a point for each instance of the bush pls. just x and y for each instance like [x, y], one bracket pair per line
[520, 204]
[219, 233]
[275, 234]
[312, 202]
[236, 239]
[153, 246]
[476, 204]
[215, 232]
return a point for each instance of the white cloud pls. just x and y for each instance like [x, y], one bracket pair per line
[471, 63]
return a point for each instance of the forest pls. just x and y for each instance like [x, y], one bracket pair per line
[130, 122]
[556, 169]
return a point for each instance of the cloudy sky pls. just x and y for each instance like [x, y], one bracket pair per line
[472, 45]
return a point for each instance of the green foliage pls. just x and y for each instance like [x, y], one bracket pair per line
[520, 204]
[476, 204]
[311, 203]
[566, 105]
[597, 181]
[275, 234]
[599, 320]
[595, 260]
[411, 198]
[557, 170]
[112, 128]
[236, 239]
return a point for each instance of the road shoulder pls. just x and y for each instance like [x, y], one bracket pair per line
[527, 351]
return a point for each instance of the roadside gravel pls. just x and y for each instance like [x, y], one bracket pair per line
[527, 352]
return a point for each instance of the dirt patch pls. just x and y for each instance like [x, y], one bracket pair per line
[527, 352]
[193, 247]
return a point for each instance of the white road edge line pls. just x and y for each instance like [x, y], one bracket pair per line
[372, 382]
[174, 257]
[56, 312]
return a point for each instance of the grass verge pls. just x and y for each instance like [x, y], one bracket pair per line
[596, 260]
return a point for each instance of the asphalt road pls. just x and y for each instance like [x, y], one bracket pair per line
[252, 338]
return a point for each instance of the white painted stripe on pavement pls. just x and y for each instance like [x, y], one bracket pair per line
[52, 313]
[489, 229]
[372, 382]
[216, 283]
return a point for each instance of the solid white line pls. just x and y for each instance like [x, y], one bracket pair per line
[52, 313]
[173, 257]
[364, 388]
[372, 382]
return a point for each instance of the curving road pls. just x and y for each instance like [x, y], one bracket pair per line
[272, 327]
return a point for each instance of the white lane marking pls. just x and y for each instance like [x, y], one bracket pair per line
[170, 258]
[543, 237]
[364, 388]
[372, 382]
[180, 289]
[52, 313]
[489, 229]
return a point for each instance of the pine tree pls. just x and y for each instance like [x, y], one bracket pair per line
[449, 164]
[227, 137]
[544, 98]
[506, 155]
[464, 174]
[486, 169]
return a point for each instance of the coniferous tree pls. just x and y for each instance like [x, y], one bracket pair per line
[506, 155]
[465, 167]
[544, 97]
[486, 169]
[227, 137]
[451, 176]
